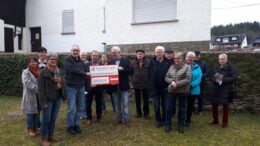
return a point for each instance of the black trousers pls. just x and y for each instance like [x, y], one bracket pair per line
[96, 92]
[145, 95]
[159, 105]
[190, 106]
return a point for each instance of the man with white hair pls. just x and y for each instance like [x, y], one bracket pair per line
[120, 91]
[159, 66]
[75, 75]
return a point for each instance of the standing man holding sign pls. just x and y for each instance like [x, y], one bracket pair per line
[95, 90]
[120, 91]
[75, 75]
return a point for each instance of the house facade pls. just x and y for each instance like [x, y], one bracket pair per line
[130, 24]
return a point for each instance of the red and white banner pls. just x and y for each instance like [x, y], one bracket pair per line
[104, 75]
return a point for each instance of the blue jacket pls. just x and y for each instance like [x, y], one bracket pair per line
[196, 75]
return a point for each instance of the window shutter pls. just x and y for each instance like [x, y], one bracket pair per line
[154, 10]
[68, 21]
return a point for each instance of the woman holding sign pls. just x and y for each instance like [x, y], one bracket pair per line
[223, 79]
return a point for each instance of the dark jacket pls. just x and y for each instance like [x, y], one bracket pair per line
[123, 76]
[204, 68]
[223, 94]
[75, 72]
[157, 72]
[140, 74]
[47, 87]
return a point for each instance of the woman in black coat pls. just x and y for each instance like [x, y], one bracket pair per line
[223, 79]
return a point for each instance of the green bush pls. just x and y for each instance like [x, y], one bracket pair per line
[11, 67]
[247, 64]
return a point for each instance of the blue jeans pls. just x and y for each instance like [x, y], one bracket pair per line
[49, 116]
[121, 102]
[159, 105]
[75, 105]
[170, 107]
[32, 120]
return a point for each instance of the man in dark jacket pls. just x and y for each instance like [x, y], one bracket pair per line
[159, 66]
[140, 77]
[75, 75]
[204, 68]
[96, 91]
[120, 91]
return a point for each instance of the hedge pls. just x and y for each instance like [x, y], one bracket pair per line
[11, 67]
[247, 64]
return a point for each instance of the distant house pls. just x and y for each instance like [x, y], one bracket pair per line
[256, 42]
[25, 25]
[229, 41]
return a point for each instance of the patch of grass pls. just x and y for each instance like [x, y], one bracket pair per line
[243, 130]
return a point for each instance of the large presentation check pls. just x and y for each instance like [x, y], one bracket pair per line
[104, 75]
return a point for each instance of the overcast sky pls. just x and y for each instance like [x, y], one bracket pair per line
[234, 11]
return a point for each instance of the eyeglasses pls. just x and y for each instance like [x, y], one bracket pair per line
[75, 50]
[177, 58]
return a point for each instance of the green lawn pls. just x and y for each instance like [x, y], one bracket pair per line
[243, 130]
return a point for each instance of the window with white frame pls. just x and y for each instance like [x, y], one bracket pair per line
[218, 39]
[225, 40]
[145, 11]
[68, 22]
[234, 38]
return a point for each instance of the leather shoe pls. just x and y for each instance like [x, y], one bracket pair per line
[127, 124]
[117, 122]
[167, 129]
[53, 139]
[71, 131]
[181, 129]
[224, 126]
[77, 129]
[138, 116]
[213, 123]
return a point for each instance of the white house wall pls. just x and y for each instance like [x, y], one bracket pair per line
[193, 23]
[2, 36]
[47, 14]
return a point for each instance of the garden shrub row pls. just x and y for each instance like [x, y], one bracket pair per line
[247, 64]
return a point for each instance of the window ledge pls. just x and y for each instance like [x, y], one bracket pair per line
[153, 22]
[68, 33]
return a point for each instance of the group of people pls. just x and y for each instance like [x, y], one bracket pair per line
[167, 77]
